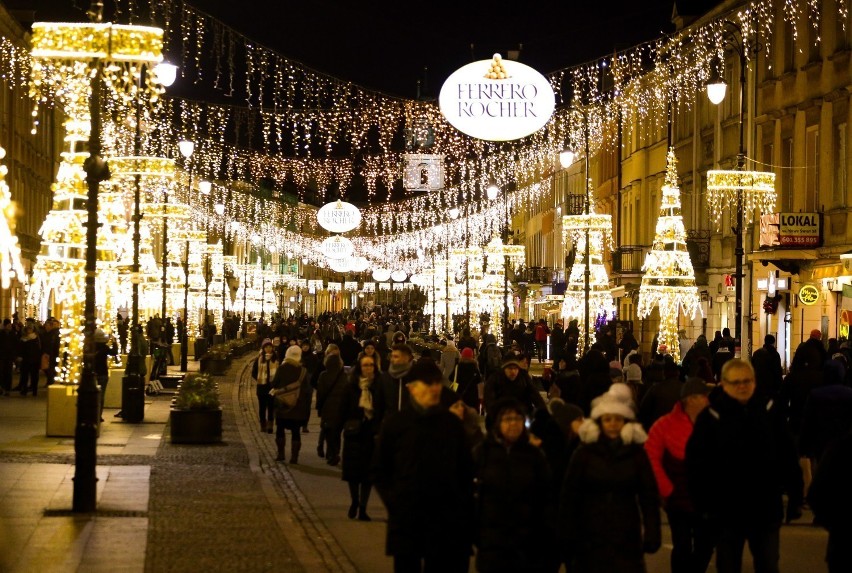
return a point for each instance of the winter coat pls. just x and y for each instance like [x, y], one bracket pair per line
[830, 498]
[393, 388]
[827, 417]
[516, 519]
[349, 349]
[424, 474]
[739, 461]
[498, 386]
[263, 372]
[468, 379]
[358, 447]
[450, 356]
[286, 374]
[666, 449]
[29, 350]
[767, 371]
[659, 399]
[330, 389]
[609, 511]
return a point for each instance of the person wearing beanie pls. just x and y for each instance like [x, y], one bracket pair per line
[469, 379]
[609, 513]
[516, 518]
[424, 472]
[291, 373]
[370, 350]
[666, 448]
[512, 381]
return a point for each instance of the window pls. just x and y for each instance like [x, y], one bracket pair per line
[838, 194]
[812, 169]
[789, 48]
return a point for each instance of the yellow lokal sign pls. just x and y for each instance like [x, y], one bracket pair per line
[808, 295]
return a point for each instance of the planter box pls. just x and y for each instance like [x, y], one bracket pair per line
[195, 426]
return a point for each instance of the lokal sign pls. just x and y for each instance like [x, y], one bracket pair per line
[497, 100]
[808, 295]
[339, 217]
[791, 230]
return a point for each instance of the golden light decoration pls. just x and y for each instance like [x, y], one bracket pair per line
[10, 249]
[598, 228]
[758, 192]
[668, 282]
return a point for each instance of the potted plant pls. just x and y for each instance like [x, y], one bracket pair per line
[196, 416]
[216, 360]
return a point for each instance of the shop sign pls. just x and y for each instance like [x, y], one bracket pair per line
[339, 217]
[808, 295]
[497, 99]
[791, 230]
[337, 247]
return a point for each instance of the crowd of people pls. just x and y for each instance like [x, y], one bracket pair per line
[471, 455]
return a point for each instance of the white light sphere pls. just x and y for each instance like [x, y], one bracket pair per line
[716, 91]
[492, 191]
[165, 73]
[381, 275]
[186, 148]
[399, 276]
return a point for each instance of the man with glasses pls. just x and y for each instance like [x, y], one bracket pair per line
[740, 458]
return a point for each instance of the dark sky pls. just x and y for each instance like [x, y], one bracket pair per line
[386, 45]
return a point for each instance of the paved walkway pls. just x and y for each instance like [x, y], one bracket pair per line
[226, 507]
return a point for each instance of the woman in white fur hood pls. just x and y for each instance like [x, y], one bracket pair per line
[609, 511]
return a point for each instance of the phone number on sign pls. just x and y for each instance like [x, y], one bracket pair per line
[800, 241]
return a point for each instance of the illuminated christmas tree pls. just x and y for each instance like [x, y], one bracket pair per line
[669, 279]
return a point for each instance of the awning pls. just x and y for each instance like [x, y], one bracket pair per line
[829, 272]
[782, 254]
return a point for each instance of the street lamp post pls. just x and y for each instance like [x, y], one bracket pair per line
[186, 149]
[587, 272]
[716, 89]
[205, 187]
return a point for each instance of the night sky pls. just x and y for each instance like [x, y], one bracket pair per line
[385, 45]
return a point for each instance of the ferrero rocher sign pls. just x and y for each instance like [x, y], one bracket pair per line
[497, 100]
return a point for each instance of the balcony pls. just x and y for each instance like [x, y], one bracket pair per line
[698, 244]
[627, 260]
[535, 275]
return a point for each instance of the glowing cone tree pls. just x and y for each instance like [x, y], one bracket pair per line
[669, 279]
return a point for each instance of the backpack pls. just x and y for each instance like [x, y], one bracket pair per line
[493, 357]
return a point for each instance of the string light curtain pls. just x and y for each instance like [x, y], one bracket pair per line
[668, 282]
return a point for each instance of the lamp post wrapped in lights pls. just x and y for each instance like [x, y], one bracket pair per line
[741, 189]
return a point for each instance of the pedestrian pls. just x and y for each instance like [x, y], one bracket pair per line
[29, 361]
[370, 349]
[740, 458]
[513, 381]
[311, 363]
[424, 474]
[515, 517]
[361, 410]
[8, 343]
[330, 389]
[449, 359]
[542, 332]
[263, 371]
[50, 348]
[469, 383]
[830, 498]
[609, 513]
[103, 350]
[767, 368]
[291, 418]
[393, 385]
[661, 396]
[692, 535]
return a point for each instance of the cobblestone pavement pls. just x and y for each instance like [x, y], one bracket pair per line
[229, 506]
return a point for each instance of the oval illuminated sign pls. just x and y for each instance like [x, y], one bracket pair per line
[339, 265]
[497, 100]
[808, 295]
[381, 275]
[339, 217]
[337, 247]
[359, 264]
[399, 276]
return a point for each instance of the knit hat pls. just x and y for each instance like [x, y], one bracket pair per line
[265, 342]
[467, 353]
[512, 359]
[293, 353]
[616, 400]
[564, 412]
[425, 370]
[633, 373]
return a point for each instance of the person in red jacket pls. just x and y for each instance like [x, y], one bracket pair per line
[541, 333]
[692, 538]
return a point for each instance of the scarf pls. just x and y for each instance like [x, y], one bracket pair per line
[399, 370]
[366, 400]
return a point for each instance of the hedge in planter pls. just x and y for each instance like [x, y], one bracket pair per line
[196, 416]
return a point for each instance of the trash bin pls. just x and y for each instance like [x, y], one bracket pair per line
[133, 391]
[200, 347]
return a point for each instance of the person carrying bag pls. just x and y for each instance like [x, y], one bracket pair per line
[291, 392]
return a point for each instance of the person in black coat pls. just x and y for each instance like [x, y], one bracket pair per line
[830, 498]
[740, 459]
[423, 471]
[8, 342]
[513, 381]
[767, 368]
[469, 379]
[361, 409]
[349, 349]
[29, 353]
[515, 520]
[330, 389]
[290, 371]
[609, 512]
[660, 397]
